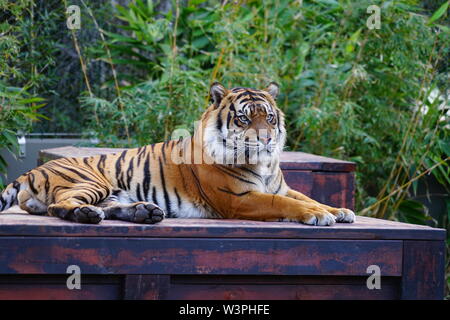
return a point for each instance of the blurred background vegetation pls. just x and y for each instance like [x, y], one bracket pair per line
[138, 69]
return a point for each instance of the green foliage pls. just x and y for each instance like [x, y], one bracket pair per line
[348, 92]
[17, 111]
[18, 108]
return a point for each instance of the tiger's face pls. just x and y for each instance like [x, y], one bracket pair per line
[243, 125]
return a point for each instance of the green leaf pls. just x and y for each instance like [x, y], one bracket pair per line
[200, 43]
[30, 100]
[439, 12]
[412, 211]
[10, 137]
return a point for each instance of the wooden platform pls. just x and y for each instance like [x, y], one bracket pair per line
[224, 259]
[218, 259]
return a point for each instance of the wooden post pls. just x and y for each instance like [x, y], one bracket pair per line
[423, 270]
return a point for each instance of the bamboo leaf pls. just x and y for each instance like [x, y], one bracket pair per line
[439, 12]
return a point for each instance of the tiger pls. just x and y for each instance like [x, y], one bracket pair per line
[212, 174]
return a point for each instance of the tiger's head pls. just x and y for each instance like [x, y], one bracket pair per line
[243, 125]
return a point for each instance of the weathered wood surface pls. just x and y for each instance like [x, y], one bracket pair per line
[280, 288]
[53, 287]
[218, 259]
[224, 259]
[423, 270]
[289, 160]
[23, 224]
[52, 255]
[156, 287]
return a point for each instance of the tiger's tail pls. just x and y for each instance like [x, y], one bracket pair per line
[8, 197]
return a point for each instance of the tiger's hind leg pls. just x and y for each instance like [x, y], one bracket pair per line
[139, 212]
[78, 204]
[71, 209]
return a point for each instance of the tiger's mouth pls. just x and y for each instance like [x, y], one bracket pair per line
[260, 147]
[256, 151]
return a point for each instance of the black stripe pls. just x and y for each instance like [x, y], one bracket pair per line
[31, 183]
[138, 192]
[141, 152]
[279, 186]
[95, 183]
[250, 171]
[97, 195]
[81, 175]
[202, 193]
[166, 195]
[228, 120]
[3, 203]
[130, 173]
[81, 198]
[278, 120]
[86, 162]
[219, 122]
[178, 197]
[47, 184]
[119, 174]
[234, 193]
[163, 149]
[147, 176]
[101, 164]
[154, 197]
[241, 95]
[246, 100]
[221, 168]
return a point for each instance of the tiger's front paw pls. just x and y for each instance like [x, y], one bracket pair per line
[322, 218]
[315, 217]
[344, 215]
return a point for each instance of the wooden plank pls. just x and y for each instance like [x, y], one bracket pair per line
[281, 292]
[334, 189]
[46, 255]
[307, 161]
[146, 287]
[301, 181]
[289, 160]
[423, 270]
[281, 287]
[53, 287]
[22, 224]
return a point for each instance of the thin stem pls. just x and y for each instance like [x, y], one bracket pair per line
[407, 184]
[113, 69]
[83, 65]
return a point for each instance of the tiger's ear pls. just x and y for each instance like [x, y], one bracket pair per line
[273, 89]
[217, 92]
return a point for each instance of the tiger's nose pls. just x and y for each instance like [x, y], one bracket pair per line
[265, 140]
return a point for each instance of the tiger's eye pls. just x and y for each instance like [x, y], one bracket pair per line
[243, 119]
